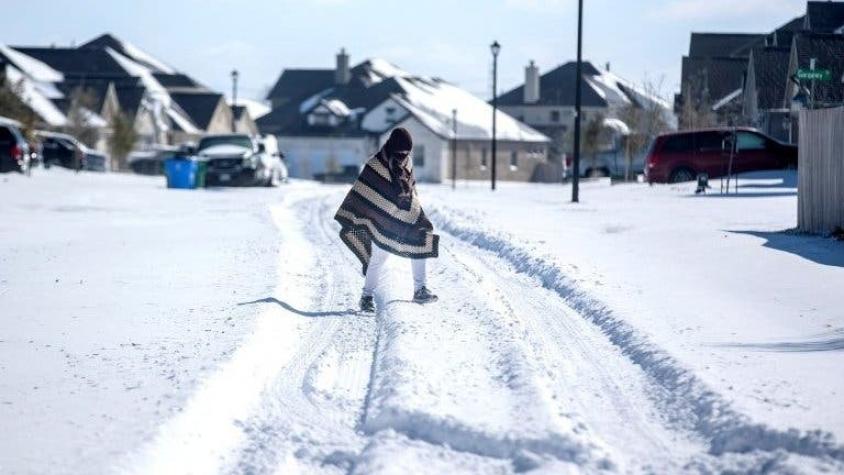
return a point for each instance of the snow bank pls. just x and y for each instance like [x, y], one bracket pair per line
[710, 414]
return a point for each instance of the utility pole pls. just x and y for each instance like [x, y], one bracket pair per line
[495, 48]
[454, 150]
[575, 177]
[234, 98]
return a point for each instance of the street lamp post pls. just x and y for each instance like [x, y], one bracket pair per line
[495, 48]
[235, 74]
[575, 177]
[454, 150]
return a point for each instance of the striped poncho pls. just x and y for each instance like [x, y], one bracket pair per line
[377, 211]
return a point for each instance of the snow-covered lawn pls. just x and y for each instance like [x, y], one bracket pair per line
[643, 330]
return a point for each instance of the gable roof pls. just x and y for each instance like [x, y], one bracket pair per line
[297, 83]
[77, 62]
[107, 40]
[130, 98]
[770, 73]
[177, 80]
[824, 17]
[291, 117]
[718, 76]
[704, 45]
[556, 87]
[199, 106]
[782, 36]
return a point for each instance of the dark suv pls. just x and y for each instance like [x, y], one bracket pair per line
[14, 151]
[681, 156]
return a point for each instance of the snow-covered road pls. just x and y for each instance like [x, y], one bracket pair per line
[507, 373]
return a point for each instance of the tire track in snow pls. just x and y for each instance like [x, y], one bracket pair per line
[308, 414]
[205, 436]
[685, 398]
[585, 373]
[457, 374]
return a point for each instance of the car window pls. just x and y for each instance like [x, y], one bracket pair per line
[678, 143]
[709, 142]
[749, 141]
[6, 135]
[239, 140]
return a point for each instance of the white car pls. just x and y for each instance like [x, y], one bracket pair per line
[240, 160]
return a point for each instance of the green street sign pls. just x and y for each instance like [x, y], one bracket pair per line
[814, 74]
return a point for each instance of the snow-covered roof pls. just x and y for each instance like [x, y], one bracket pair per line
[255, 108]
[131, 51]
[617, 125]
[431, 101]
[336, 107]
[136, 69]
[35, 98]
[181, 120]
[727, 99]
[35, 69]
[376, 70]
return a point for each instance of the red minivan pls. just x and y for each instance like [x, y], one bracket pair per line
[681, 156]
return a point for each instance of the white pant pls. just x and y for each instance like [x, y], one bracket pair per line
[376, 265]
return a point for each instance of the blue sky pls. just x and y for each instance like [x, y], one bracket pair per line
[642, 39]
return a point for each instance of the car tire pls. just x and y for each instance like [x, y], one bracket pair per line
[681, 175]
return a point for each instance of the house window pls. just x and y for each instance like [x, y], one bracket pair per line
[514, 160]
[555, 116]
[483, 159]
[419, 156]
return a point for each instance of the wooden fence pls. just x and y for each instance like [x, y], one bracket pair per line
[820, 196]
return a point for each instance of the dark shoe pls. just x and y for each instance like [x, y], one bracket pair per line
[424, 295]
[367, 304]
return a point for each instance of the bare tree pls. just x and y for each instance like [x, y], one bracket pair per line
[645, 120]
[592, 140]
[79, 116]
[122, 139]
[696, 108]
[13, 106]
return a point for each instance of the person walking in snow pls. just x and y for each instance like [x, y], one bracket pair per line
[381, 215]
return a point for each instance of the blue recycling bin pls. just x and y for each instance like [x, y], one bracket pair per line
[181, 173]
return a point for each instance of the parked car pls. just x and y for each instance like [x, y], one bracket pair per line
[14, 150]
[681, 156]
[150, 162]
[238, 159]
[66, 151]
[603, 164]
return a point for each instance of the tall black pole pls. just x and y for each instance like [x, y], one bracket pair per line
[495, 49]
[575, 177]
[454, 150]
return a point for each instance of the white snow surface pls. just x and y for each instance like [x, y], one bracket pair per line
[140, 55]
[136, 69]
[432, 101]
[34, 68]
[149, 330]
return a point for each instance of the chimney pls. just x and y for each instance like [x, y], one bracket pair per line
[531, 83]
[341, 73]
